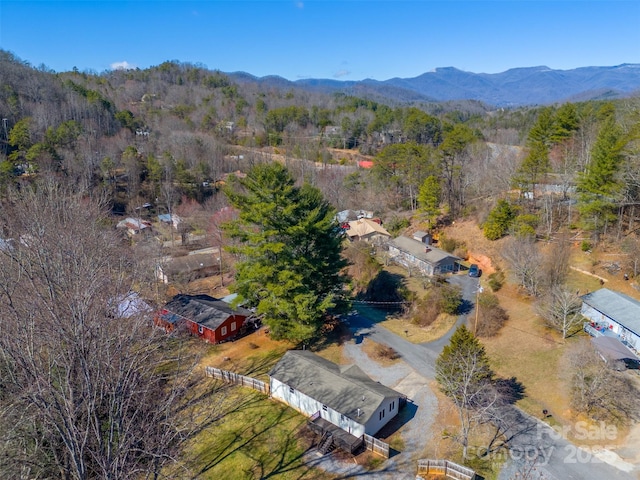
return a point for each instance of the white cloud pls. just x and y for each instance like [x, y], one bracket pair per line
[122, 66]
[341, 73]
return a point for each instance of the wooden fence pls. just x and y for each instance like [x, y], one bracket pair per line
[238, 379]
[376, 446]
[446, 468]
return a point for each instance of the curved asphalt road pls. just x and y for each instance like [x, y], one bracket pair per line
[535, 443]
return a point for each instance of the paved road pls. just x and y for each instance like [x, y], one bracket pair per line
[535, 446]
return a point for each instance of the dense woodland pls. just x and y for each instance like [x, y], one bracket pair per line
[80, 149]
[168, 133]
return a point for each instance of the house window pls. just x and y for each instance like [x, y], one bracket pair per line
[200, 329]
[324, 408]
[381, 414]
[233, 326]
[292, 390]
[223, 331]
[392, 405]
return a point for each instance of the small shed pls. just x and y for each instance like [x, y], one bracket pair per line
[423, 237]
[207, 317]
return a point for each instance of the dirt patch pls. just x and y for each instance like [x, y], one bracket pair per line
[483, 262]
[485, 253]
[382, 354]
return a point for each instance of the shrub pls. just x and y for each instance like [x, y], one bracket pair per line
[585, 246]
[525, 225]
[491, 316]
[424, 313]
[447, 244]
[496, 280]
[443, 298]
[396, 224]
[450, 298]
[382, 351]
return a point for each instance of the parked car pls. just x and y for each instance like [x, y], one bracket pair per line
[474, 271]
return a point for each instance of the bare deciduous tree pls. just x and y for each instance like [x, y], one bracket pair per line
[560, 309]
[526, 263]
[555, 263]
[87, 391]
[600, 391]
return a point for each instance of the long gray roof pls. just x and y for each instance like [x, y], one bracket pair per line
[189, 263]
[203, 309]
[345, 389]
[422, 251]
[617, 306]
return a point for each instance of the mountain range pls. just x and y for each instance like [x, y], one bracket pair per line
[514, 87]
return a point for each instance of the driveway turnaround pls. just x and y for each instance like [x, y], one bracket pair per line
[535, 447]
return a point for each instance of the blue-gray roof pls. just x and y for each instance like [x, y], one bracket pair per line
[617, 306]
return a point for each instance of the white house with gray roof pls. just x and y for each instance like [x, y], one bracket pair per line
[428, 259]
[614, 314]
[343, 395]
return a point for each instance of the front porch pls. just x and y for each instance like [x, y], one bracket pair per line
[341, 439]
[601, 329]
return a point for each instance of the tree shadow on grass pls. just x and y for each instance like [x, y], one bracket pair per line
[511, 390]
[335, 332]
[385, 289]
[244, 437]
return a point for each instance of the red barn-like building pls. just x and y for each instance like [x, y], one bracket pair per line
[210, 318]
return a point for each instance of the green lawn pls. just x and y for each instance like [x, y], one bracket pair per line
[256, 438]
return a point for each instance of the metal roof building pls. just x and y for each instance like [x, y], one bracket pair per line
[619, 312]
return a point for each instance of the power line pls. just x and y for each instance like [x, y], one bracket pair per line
[378, 303]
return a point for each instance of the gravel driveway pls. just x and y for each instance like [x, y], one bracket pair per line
[411, 376]
[417, 417]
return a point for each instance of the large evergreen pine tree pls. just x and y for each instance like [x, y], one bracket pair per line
[290, 251]
[464, 375]
[600, 186]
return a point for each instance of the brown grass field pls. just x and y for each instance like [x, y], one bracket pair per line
[255, 429]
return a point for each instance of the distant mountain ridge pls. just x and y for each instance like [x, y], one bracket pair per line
[515, 87]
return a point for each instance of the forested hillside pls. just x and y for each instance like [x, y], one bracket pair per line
[169, 132]
[81, 150]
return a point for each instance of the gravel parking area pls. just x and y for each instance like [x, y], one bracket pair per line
[416, 418]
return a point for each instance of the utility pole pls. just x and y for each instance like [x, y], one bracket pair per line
[478, 292]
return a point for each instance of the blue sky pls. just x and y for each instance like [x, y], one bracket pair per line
[346, 40]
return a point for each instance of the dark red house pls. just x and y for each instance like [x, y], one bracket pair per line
[210, 318]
